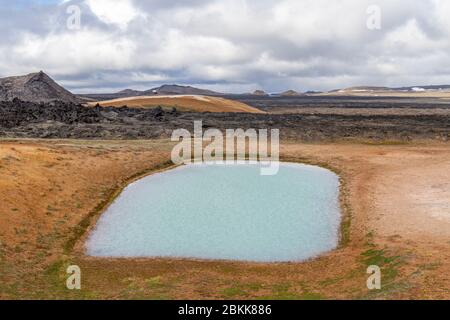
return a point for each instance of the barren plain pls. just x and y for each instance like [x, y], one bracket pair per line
[393, 158]
[394, 198]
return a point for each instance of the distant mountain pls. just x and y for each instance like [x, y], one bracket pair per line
[425, 88]
[164, 90]
[34, 87]
[260, 93]
[412, 89]
[290, 93]
[313, 92]
[174, 89]
[365, 88]
[129, 93]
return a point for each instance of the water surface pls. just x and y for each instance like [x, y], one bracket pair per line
[229, 212]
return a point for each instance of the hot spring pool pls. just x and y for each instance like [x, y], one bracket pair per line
[229, 212]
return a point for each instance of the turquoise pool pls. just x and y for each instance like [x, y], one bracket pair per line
[225, 212]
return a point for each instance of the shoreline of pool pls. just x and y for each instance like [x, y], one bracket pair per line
[79, 249]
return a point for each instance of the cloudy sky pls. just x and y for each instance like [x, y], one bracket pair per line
[227, 45]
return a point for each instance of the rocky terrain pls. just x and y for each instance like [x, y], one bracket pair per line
[295, 103]
[34, 87]
[20, 119]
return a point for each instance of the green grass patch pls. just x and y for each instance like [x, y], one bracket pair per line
[233, 292]
[385, 142]
[389, 266]
[285, 292]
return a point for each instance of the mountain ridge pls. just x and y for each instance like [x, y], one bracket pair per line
[403, 89]
[174, 89]
[34, 87]
[39, 87]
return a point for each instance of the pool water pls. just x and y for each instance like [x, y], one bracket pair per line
[225, 212]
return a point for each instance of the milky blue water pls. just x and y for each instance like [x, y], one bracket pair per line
[226, 212]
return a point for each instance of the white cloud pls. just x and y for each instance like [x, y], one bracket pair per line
[235, 44]
[75, 52]
[119, 12]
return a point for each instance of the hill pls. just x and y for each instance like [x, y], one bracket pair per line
[436, 91]
[174, 89]
[183, 103]
[164, 90]
[290, 93]
[34, 87]
[129, 93]
[260, 93]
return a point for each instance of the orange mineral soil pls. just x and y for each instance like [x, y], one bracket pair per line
[183, 103]
[395, 200]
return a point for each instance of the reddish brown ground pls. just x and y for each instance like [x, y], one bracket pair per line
[395, 198]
